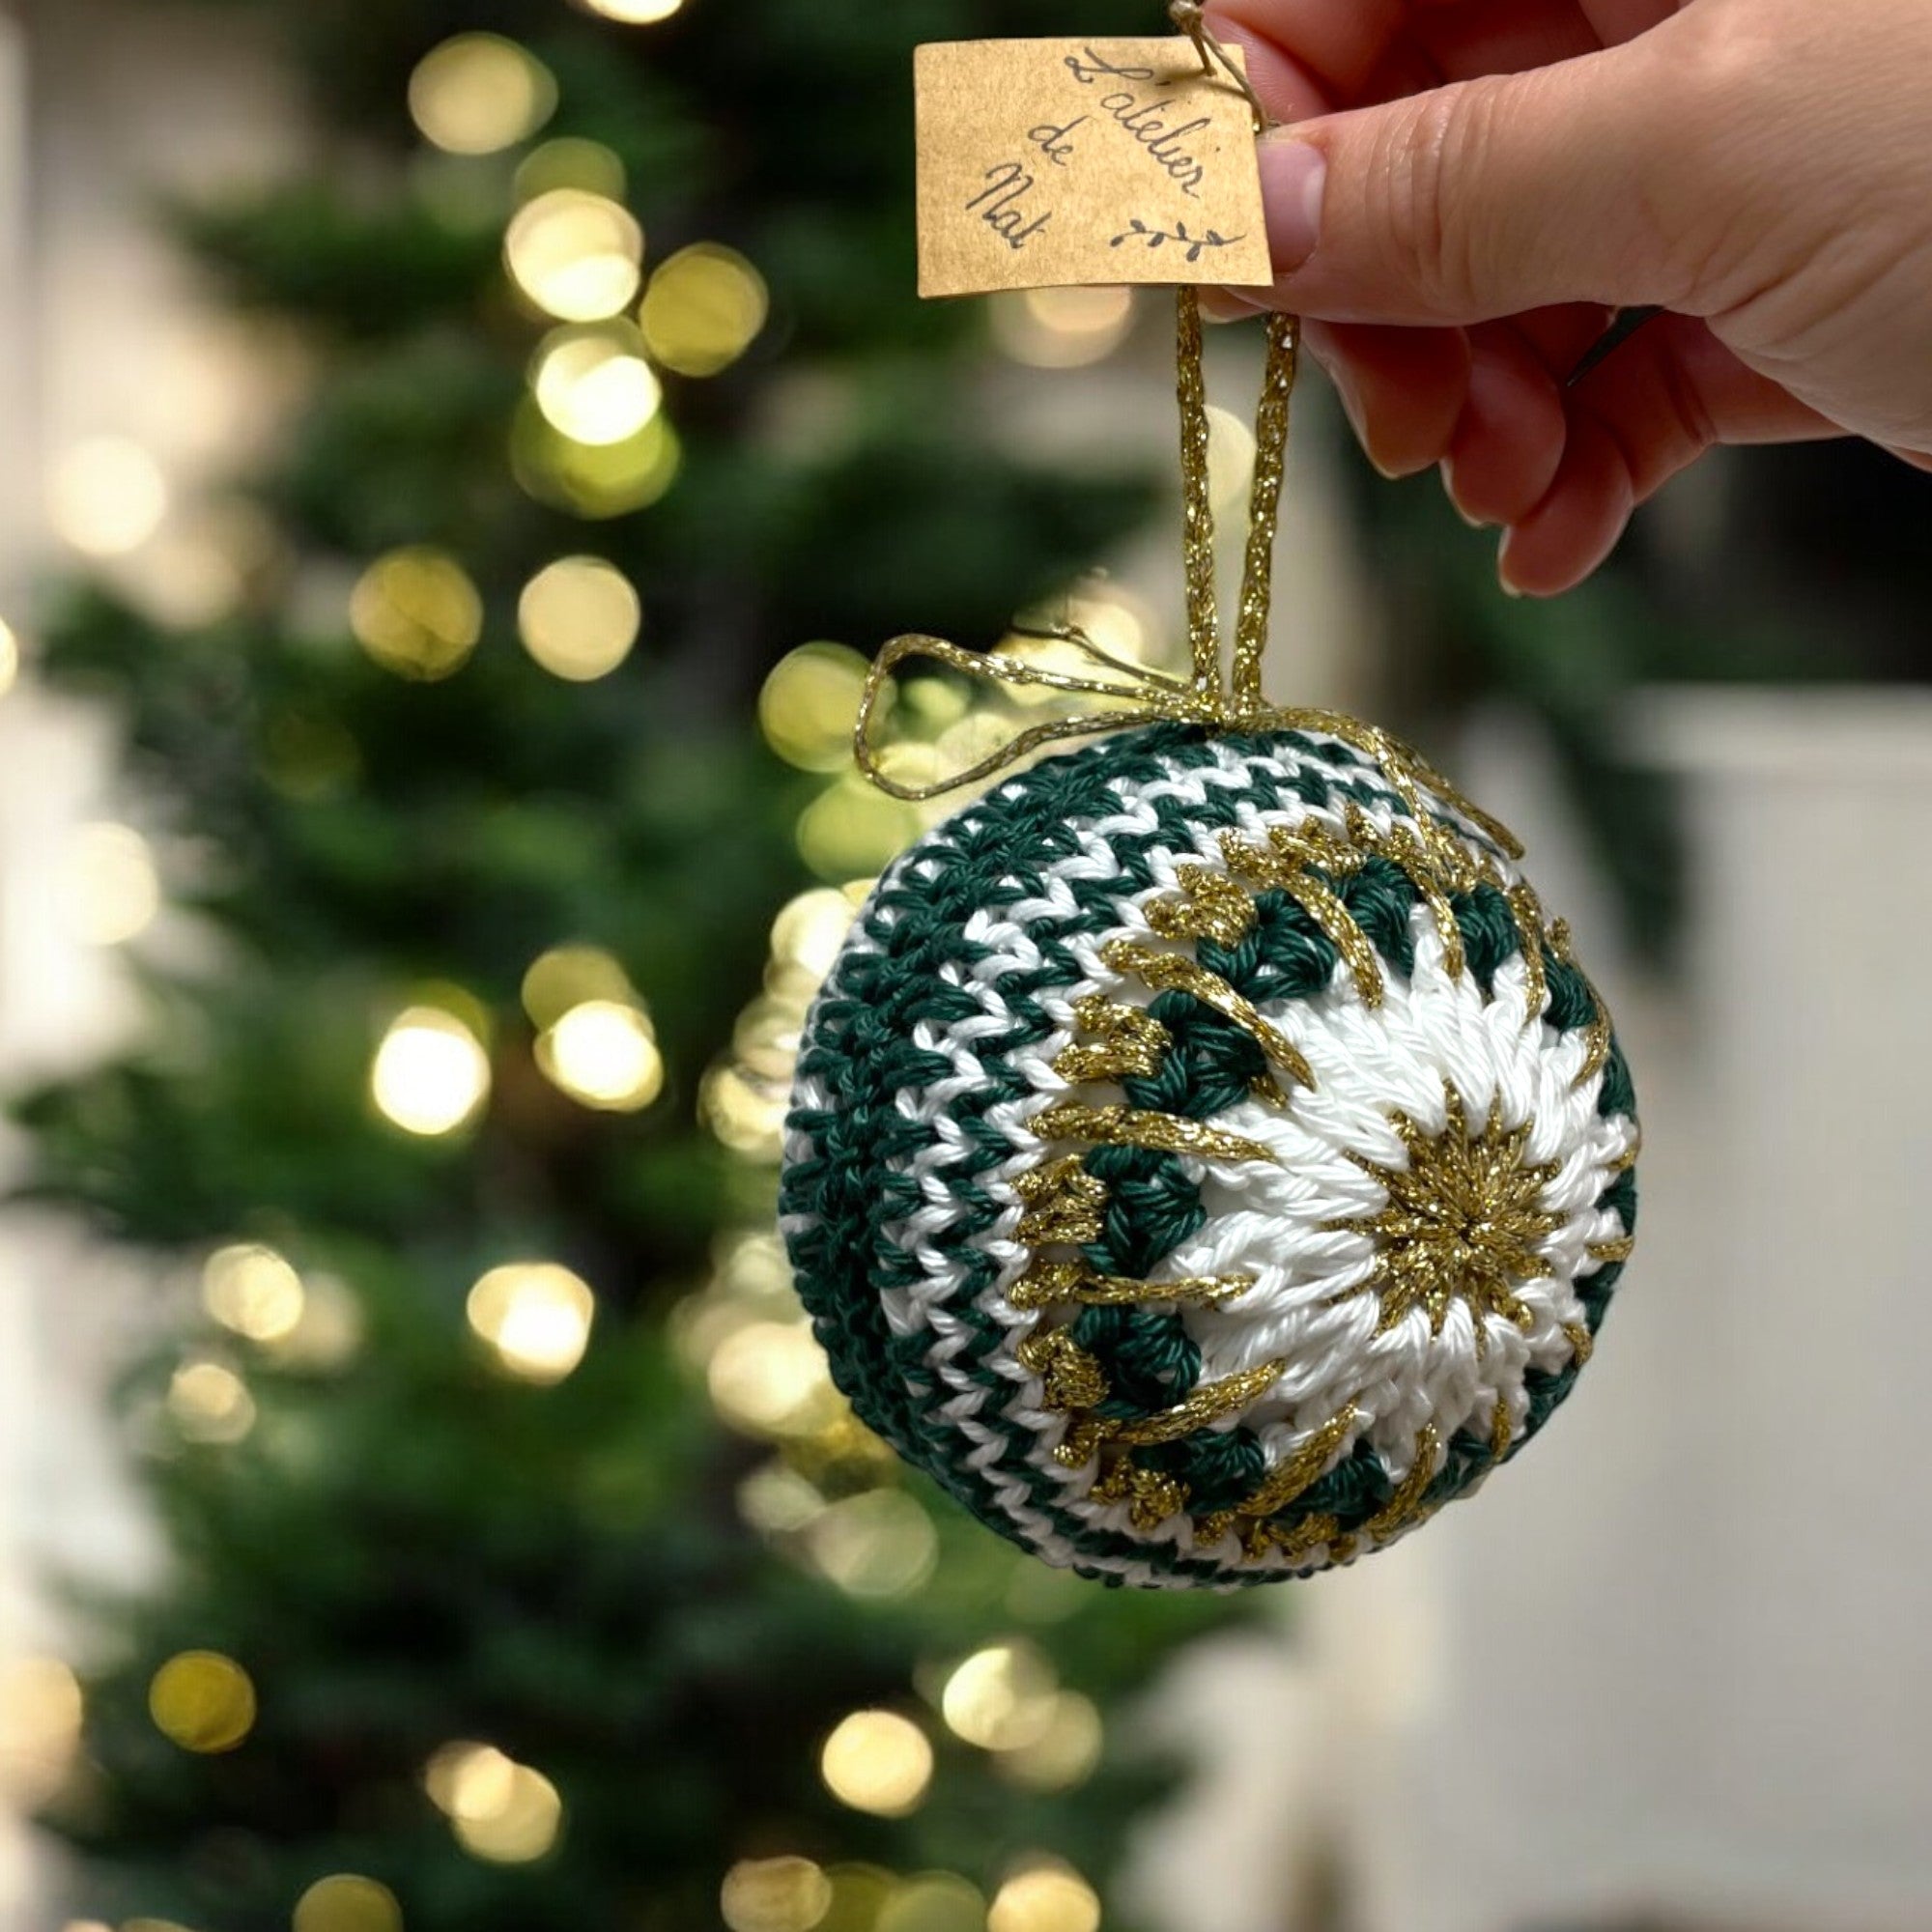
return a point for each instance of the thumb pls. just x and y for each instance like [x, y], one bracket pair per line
[1478, 200]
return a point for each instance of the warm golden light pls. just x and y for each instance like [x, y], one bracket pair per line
[810, 929]
[430, 1074]
[808, 703]
[879, 1762]
[580, 617]
[594, 385]
[253, 1290]
[774, 1895]
[114, 890]
[571, 162]
[771, 1377]
[202, 1701]
[9, 658]
[878, 1545]
[107, 496]
[595, 483]
[566, 976]
[536, 1316]
[1001, 1698]
[41, 1712]
[1047, 1898]
[744, 1113]
[347, 1903]
[1066, 1754]
[705, 306]
[211, 1402]
[635, 13]
[577, 255]
[499, 1810]
[1231, 457]
[478, 93]
[933, 1902]
[1061, 328]
[853, 829]
[604, 1054]
[416, 612]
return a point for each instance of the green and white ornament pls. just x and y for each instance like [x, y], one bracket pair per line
[1206, 1159]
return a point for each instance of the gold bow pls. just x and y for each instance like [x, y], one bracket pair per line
[1139, 694]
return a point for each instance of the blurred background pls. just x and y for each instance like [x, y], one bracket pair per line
[458, 455]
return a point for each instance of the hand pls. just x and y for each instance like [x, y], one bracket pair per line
[1483, 180]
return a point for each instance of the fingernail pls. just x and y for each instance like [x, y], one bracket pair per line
[1349, 397]
[1509, 589]
[1227, 306]
[1448, 468]
[1294, 175]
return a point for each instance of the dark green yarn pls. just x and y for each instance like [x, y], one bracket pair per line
[1354, 1490]
[1211, 1065]
[1149, 1360]
[838, 1196]
[1490, 934]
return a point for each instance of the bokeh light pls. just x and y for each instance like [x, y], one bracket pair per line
[430, 1075]
[772, 1378]
[878, 1545]
[210, 1403]
[1001, 1697]
[774, 1895]
[743, 1113]
[418, 613]
[346, 1902]
[1231, 457]
[705, 306]
[329, 1332]
[577, 255]
[1045, 1899]
[595, 482]
[808, 704]
[877, 1761]
[114, 890]
[500, 1810]
[567, 975]
[594, 385]
[1064, 1754]
[810, 929]
[253, 1290]
[202, 1701]
[479, 93]
[41, 1713]
[635, 13]
[933, 1902]
[604, 1054]
[853, 829]
[570, 161]
[1061, 328]
[579, 617]
[107, 496]
[536, 1316]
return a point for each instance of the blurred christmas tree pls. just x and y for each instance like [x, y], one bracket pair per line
[473, 1615]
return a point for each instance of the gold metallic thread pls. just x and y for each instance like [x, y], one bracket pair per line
[1207, 1404]
[1063, 1203]
[1502, 1429]
[1127, 1041]
[1296, 1473]
[1050, 1284]
[1405, 1506]
[1214, 907]
[1129, 1127]
[1582, 1343]
[1461, 1222]
[1170, 972]
[1070, 1377]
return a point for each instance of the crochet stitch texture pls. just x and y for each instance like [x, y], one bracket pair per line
[1200, 1167]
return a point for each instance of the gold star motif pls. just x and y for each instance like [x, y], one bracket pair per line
[1463, 1222]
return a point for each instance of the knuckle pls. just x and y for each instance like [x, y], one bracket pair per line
[1427, 166]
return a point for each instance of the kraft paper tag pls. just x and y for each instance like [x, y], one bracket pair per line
[1065, 164]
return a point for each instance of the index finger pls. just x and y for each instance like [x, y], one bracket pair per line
[1308, 57]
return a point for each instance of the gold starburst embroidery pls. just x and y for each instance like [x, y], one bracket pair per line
[1463, 1222]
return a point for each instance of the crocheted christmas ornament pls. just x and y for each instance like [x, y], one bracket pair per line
[1207, 1160]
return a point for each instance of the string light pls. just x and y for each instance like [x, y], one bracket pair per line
[808, 702]
[579, 617]
[877, 1761]
[253, 1290]
[577, 255]
[536, 1316]
[499, 1810]
[430, 1075]
[418, 613]
[477, 94]
[115, 891]
[594, 385]
[604, 1054]
[635, 13]
[1001, 1698]
[1061, 328]
[108, 497]
[41, 1713]
[705, 306]
[774, 1895]
[203, 1701]
[211, 1402]
[346, 1902]
[1046, 1898]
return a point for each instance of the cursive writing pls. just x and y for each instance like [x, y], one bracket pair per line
[1142, 119]
[1001, 205]
[1156, 238]
[1055, 143]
